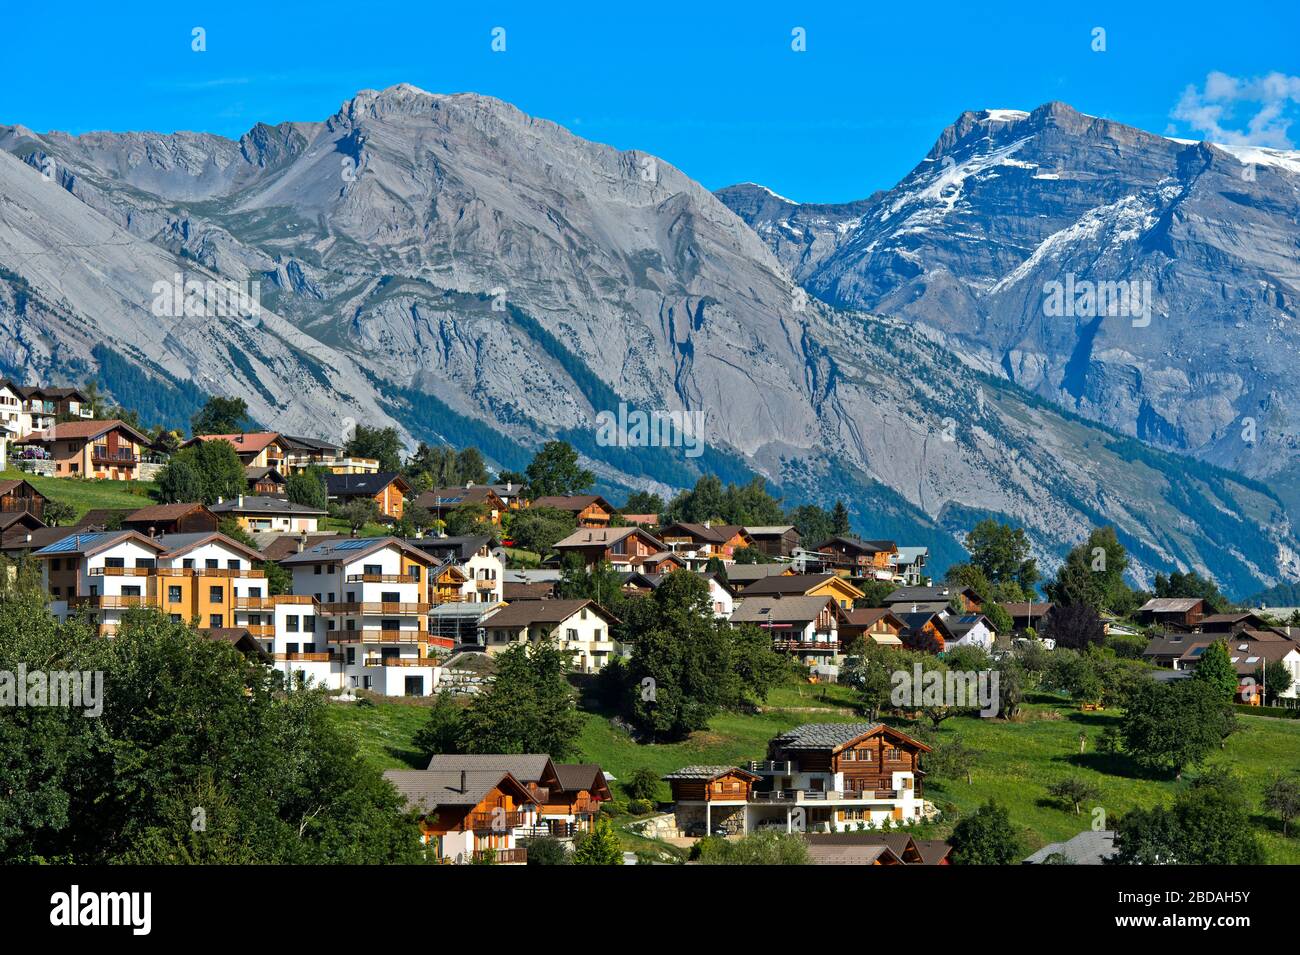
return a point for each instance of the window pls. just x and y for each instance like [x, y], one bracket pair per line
[572, 635]
[174, 594]
[309, 624]
[216, 595]
[315, 569]
[146, 562]
[352, 657]
[390, 625]
[176, 618]
[214, 620]
[233, 564]
[114, 562]
[291, 623]
[372, 570]
[414, 571]
[390, 597]
[187, 563]
[212, 563]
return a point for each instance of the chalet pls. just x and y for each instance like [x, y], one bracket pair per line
[624, 548]
[255, 449]
[909, 565]
[301, 453]
[260, 512]
[1026, 616]
[19, 522]
[568, 795]
[581, 628]
[698, 543]
[590, 510]
[441, 501]
[1168, 611]
[807, 585]
[740, 576]
[877, 624]
[387, 489]
[94, 449]
[868, 847]
[774, 540]
[19, 496]
[808, 627]
[480, 558]
[1232, 622]
[852, 557]
[819, 777]
[511, 493]
[264, 480]
[721, 596]
[25, 409]
[468, 815]
[171, 519]
[970, 630]
[925, 630]
[942, 600]
[647, 521]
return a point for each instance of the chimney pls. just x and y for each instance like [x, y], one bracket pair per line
[239, 501]
[510, 486]
[239, 439]
[708, 524]
[220, 500]
[464, 783]
[302, 542]
[153, 531]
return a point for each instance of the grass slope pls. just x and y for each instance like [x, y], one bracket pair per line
[85, 495]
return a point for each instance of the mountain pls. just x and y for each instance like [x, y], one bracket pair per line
[472, 274]
[1010, 209]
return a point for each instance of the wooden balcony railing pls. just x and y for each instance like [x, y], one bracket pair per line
[399, 662]
[485, 585]
[122, 571]
[377, 635]
[504, 856]
[376, 608]
[264, 631]
[306, 657]
[380, 579]
[497, 821]
[111, 602]
[100, 454]
[254, 603]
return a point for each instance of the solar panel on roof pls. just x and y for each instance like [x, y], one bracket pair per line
[352, 544]
[74, 542]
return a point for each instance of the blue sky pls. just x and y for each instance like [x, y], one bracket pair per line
[717, 92]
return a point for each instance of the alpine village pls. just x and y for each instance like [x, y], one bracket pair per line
[351, 654]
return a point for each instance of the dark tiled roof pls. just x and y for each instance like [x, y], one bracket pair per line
[703, 772]
[824, 735]
[525, 613]
[787, 584]
[350, 485]
[426, 790]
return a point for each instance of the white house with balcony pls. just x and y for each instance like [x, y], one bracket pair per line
[373, 600]
[581, 628]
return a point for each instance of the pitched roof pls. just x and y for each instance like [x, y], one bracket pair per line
[604, 537]
[246, 442]
[575, 776]
[790, 584]
[713, 535]
[747, 573]
[1170, 604]
[340, 485]
[348, 549]
[265, 504]
[458, 548]
[923, 595]
[768, 530]
[514, 591]
[571, 502]
[84, 545]
[309, 444]
[1087, 848]
[1027, 609]
[160, 513]
[830, 853]
[525, 613]
[525, 767]
[866, 616]
[255, 473]
[11, 485]
[834, 736]
[857, 544]
[426, 790]
[779, 609]
[177, 544]
[83, 430]
[456, 496]
[707, 772]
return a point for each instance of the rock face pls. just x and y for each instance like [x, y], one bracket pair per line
[1009, 207]
[467, 272]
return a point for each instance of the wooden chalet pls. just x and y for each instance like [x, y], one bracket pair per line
[852, 557]
[877, 624]
[1171, 611]
[469, 815]
[624, 548]
[568, 795]
[171, 519]
[20, 497]
[806, 585]
[589, 510]
[777, 540]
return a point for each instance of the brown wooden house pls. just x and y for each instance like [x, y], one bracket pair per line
[441, 501]
[590, 510]
[623, 548]
[387, 489]
[19, 496]
[778, 540]
[171, 519]
[857, 558]
[469, 815]
[1171, 611]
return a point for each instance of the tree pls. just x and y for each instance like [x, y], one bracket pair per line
[442, 729]
[950, 759]
[1093, 574]
[1192, 584]
[59, 513]
[529, 707]
[1282, 797]
[1073, 626]
[204, 472]
[469, 520]
[554, 470]
[757, 848]
[221, 416]
[643, 502]
[1074, 791]
[1216, 669]
[986, 838]
[307, 487]
[1001, 552]
[840, 520]
[359, 512]
[709, 500]
[1170, 726]
[1274, 678]
[869, 670]
[999, 618]
[600, 846]
[278, 579]
[874, 593]
[642, 783]
[189, 724]
[813, 523]
[538, 528]
[231, 527]
[382, 444]
[547, 850]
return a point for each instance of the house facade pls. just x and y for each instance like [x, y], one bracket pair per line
[590, 510]
[819, 777]
[624, 548]
[111, 450]
[580, 627]
[469, 815]
[257, 513]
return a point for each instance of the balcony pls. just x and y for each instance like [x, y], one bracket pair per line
[117, 457]
[380, 579]
[378, 609]
[399, 662]
[305, 657]
[254, 603]
[498, 821]
[503, 856]
[824, 646]
[817, 795]
[263, 631]
[226, 573]
[111, 602]
[377, 635]
[485, 585]
[122, 571]
[773, 767]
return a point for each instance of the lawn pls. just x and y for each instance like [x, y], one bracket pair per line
[86, 494]
[1015, 762]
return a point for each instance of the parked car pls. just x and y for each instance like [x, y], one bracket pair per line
[697, 830]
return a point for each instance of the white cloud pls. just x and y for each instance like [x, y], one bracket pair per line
[1266, 105]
